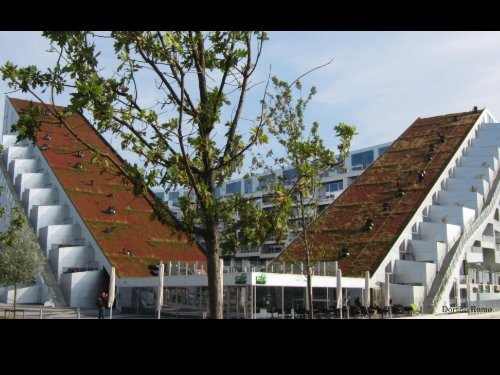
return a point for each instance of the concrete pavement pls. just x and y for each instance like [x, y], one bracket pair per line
[173, 312]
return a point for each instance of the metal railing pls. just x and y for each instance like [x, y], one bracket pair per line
[320, 268]
[41, 312]
[78, 269]
[359, 167]
[244, 250]
[180, 268]
[460, 245]
[12, 314]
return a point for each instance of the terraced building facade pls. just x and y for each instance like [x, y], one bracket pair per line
[86, 218]
[422, 216]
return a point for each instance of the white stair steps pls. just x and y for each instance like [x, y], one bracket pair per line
[56, 235]
[461, 216]
[445, 233]
[473, 200]
[465, 185]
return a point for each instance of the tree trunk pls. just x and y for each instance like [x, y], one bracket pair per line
[214, 285]
[15, 299]
[308, 265]
[212, 243]
[310, 306]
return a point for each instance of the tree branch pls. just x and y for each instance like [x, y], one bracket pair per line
[199, 61]
[309, 71]
[234, 124]
[134, 104]
[159, 73]
[187, 164]
[224, 76]
[174, 74]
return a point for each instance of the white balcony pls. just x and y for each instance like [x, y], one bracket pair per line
[464, 185]
[31, 180]
[17, 152]
[8, 140]
[63, 258]
[28, 294]
[81, 288]
[445, 233]
[486, 140]
[39, 196]
[478, 150]
[488, 241]
[475, 172]
[474, 255]
[479, 161]
[410, 272]
[461, 216]
[19, 166]
[55, 235]
[42, 216]
[406, 294]
[429, 251]
[472, 200]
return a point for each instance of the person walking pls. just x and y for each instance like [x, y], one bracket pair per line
[101, 303]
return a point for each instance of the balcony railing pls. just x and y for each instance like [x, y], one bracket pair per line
[459, 247]
[178, 268]
[271, 249]
[78, 269]
[249, 250]
[320, 269]
[357, 168]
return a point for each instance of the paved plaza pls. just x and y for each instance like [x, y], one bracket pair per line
[172, 312]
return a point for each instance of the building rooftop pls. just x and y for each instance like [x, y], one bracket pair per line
[427, 145]
[119, 221]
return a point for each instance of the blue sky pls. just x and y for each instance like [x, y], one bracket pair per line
[379, 81]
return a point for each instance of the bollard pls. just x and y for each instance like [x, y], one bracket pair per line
[41, 313]
[78, 313]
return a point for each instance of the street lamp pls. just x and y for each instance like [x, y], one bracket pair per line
[467, 282]
[388, 293]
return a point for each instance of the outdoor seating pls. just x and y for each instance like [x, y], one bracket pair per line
[355, 311]
[367, 312]
[382, 311]
[397, 309]
[408, 310]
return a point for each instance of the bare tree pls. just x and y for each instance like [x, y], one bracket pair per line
[306, 159]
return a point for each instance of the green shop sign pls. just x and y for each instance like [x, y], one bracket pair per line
[260, 279]
[241, 279]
